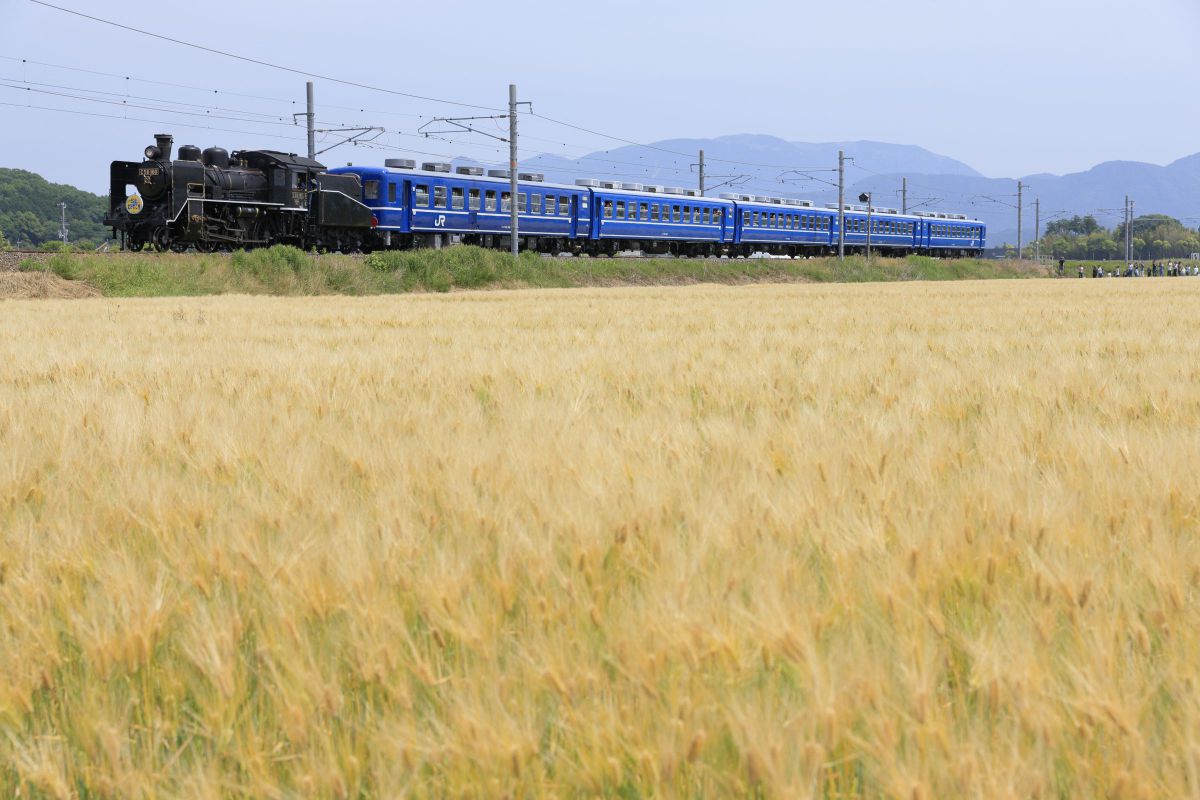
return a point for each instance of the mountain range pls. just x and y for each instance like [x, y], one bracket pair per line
[766, 165]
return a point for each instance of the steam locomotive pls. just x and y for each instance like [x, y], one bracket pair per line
[212, 200]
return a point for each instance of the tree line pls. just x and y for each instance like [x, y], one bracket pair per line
[30, 216]
[1153, 236]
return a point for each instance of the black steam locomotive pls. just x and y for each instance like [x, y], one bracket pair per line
[212, 200]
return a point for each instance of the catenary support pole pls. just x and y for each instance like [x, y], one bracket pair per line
[62, 230]
[1020, 196]
[1125, 219]
[512, 165]
[904, 195]
[311, 118]
[1037, 229]
[702, 173]
[841, 204]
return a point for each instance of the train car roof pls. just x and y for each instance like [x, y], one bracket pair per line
[685, 198]
[424, 173]
[287, 159]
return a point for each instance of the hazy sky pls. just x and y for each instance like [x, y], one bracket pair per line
[1012, 87]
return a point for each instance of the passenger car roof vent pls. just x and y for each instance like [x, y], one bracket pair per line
[610, 184]
[399, 163]
[591, 183]
[499, 173]
[653, 189]
[532, 177]
[730, 196]
[476, 171]
[435, 166]
[673, 190]
[632, 187]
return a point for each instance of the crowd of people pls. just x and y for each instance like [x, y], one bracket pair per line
[1169, 269]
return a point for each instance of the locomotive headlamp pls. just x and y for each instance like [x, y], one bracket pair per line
[152, 153]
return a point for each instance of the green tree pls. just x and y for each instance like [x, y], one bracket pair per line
[29, 211]
[1075, 226]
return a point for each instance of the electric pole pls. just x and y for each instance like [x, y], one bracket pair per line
[1037, 229]
[512, 165]
[904, 196]
[62, 230]
[1020, 194]
[1128, 229]
[841, 205]
[867, 195]
[311, 117]
[702, 173]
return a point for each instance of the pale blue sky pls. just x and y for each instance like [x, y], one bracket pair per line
[1011, 87]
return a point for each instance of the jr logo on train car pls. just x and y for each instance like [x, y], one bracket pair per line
[440, 222]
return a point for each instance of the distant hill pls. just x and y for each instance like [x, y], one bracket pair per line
[1173, 190]
[29, 211]
[760, 162]
[935, 182]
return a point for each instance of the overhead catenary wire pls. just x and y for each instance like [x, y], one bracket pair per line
[261, 62]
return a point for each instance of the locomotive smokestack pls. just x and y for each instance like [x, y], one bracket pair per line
[164, 141]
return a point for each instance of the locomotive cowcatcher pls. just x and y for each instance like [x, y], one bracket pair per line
[212, 200]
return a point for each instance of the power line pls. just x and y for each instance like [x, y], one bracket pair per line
[259, 62]
[142, 107]
[140, 119]
[139, 97]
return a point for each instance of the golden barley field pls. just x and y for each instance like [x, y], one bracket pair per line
[908, 540]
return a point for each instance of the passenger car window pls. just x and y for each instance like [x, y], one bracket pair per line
[644, 211]
[371, 190]
[564, 205]
[439, 197]
[620, 209]
[456, 198]
[473, 200]
[422, 196]
[489, 200]
[391, 193]
[505, 201]
[608, 208]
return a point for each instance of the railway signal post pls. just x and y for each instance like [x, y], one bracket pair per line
[865, 197]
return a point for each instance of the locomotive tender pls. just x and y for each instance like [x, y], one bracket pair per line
[211, 200]
[432, 206]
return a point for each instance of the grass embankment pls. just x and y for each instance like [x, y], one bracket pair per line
[289, 271]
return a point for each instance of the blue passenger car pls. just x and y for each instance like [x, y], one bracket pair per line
[781, 226]
[951, 234]
[436, 207]
[656, 220]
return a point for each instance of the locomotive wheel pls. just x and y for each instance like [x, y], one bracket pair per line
[178, 247]
[135, 247]
[205, 247]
